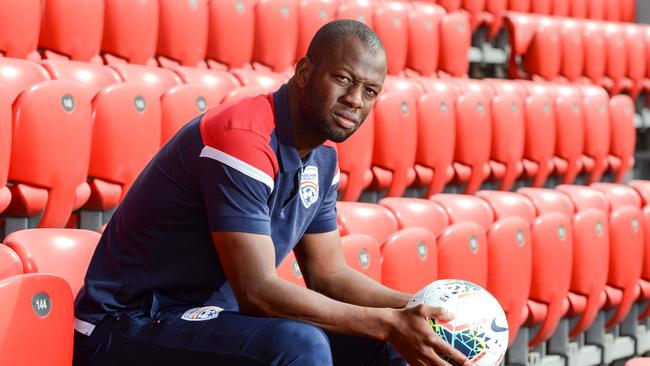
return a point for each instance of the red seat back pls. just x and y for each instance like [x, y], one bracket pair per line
[312, 15]
[578, 8]
[155, 77]
[362, 253]
[231, 32]
[572, 52]
[595, 51]
[72, 28]
[360, 10]
[130, 31]
[616, 53]
[391, 25]
[473, 137]
[36, 303]
[182, 32]
[635, 44]
[417, 212]
[20, 25]
[539, 146]
[508, 136]
[219, 82]
[508, 204]
[595, 103]
[276, 33]
[366, 218]
[423, 38]
[409, 260]
[10, 264]
[355, 159]
[623, 135]
[465, 208]
[596, 9]
[17, 75]
[63, 252]
[543, 57]
[462, 253]
[183, 103]
[92, 76]
[455, 40]
[570, 133]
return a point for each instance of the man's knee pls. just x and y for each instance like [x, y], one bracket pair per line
[296, 343]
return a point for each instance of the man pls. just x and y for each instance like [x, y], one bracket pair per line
[185, 271]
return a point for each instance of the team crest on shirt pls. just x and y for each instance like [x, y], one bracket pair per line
[309, 185]
[202, 313]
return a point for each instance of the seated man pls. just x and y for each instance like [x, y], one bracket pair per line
[185, 270]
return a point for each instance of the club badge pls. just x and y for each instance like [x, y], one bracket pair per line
[309, 185]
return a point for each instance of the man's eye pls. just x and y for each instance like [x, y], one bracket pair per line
[343, 80]
[371, 92]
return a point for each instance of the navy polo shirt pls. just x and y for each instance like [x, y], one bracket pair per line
[236, 169]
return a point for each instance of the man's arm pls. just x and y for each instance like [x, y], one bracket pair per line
[248, 263]
[325, 270]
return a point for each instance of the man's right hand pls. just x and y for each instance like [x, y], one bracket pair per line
[413, 338]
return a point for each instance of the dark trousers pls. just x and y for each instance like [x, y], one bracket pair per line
[229, 339]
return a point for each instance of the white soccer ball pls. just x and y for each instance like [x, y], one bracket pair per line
[479, 329]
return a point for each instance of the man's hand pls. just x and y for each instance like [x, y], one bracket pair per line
[413, 338]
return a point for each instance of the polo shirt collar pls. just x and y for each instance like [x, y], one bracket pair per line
[289, 155]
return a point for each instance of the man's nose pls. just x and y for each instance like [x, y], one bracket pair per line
[353, 97]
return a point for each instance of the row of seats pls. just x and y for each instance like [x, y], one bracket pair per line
[610, 54]
[575, 253]
[431, 133]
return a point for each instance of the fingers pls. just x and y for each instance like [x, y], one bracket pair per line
[438, 313]
[443, 348]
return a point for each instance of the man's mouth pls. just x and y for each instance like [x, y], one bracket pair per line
[345, 121]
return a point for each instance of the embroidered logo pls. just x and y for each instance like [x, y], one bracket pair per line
[309, 186]
[202, 313]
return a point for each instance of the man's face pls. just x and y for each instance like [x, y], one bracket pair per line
[342, 89]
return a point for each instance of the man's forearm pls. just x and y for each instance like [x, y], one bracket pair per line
[350, 286]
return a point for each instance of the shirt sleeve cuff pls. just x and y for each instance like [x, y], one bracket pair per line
[240, 224]
[322, 226]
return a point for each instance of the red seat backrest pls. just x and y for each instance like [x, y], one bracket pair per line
[543, 56]
[363, 254]
[361, 10]
[595, 51]
[391, 25]
[409, 260]
[417, 212]
[130, 31]
[157, 78]
[366, 218]
[473, 136]
[355, 159]
[465, 208]
[570, 133]
[635, 44]
[183, 103]
[92, 76]
[182, 32]
[231, 32]
[17, 75]
[219, 82]
[20, 25]
[424, 38]
[462, 253]
[508, 136]
[623, 135]
[276, 33]
[312, 15]
[595, 103]
[572, 48]
[455, 40]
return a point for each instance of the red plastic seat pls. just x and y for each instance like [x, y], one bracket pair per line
[157, 78]
[17, 75]
[219, 82]
[522, 6]
[125, 136]
[290, 270]
[361, 10]
[508, 136]
[635, 44]
[246, 91]
[10, 264]
[540, 132]
[541, 6]
[50, 151]
[596, 9]
[642, 187]
[366, 218]
[355, 160]
[409, 260]
[93, 76]
[436, 136]
[495, 9]
[395, 143]
[616, 56]
[628, 10]
[572, 49]
[450, 5]
[183, 103]
[552, 260]
[423, 38]
[231, 33]
[391, 25]
[473, 140]
[560, 8]
[626, 258]
[276, 34]
[313, 14]
[597, 131]
[623, 136]
[36, 303]
[638, 361]
[72, 29]
[130, 31]
[20, 25]
[182, 32]
[362, 253]
[62, 252]
[543, 56]
[477, 12]
[417, 212]
[570, 133]
[5, 146]
[591, 251]
[595, 51]
[521, 29]
[613, 10]
[455, 40]
[578, 8]
[465, 208]
[462, 253]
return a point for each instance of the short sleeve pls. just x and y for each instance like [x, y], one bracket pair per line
[325, 220]
[235, 183]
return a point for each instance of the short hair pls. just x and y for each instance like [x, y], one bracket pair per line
[337, 30]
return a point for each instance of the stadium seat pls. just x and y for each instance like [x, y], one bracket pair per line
[462, 253]
[125, 136]
[417, 212]
[522, 6]
[572, 49]
[465, 208]
[424, 38]
[616, 56]
[395, 143]
[72, 29]
[626, 248]
[290, 270]
[276, 34]
[495, 8]
[181, 104]
[355, 159]
[391, 25]
[219, 82]
[62, 252]
[231, 33]
[182, 32]
[37, 322]
[312, 15]
[540, 132]
[628, 10]
[638, 361]
[455, 40]
[635, 43]
[157, 78]
[473, 140]
[5, 145]
[570, 133]
[613, 10]
[560, 8]
[363, 254]
[508, 136]
[246, 91]
[595, 103]
[361, 10]
[623, 136]
[543, 56]
[595, 51]
[541, 7]
[596, 9]
[130, 31]
[436, 137]
[92, 76]
[366, 218]
[477, 12]
[50, 151]
[20, 25]
[578, 8]
[591, 252]
[521, 30]
[450, 5]
[10, 264]
[409, 260]
[17, 75]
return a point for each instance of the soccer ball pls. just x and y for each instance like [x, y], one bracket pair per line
[479, 329]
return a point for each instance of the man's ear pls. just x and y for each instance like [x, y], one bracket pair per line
[304, 68]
